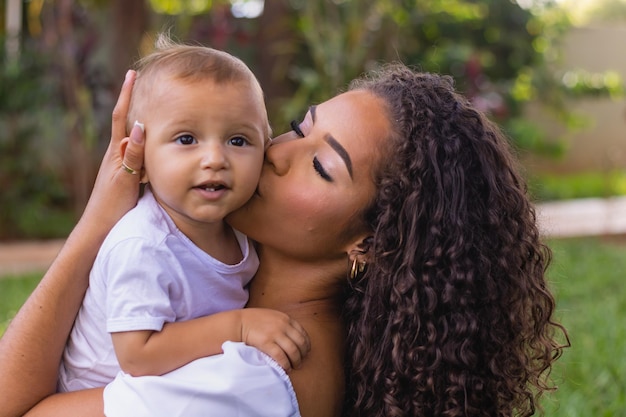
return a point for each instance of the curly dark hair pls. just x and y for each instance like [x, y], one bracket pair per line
[453, 316]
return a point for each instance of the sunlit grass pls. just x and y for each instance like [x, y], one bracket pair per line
[13, 293]
[588, 276]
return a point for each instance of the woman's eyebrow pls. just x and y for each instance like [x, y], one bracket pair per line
[341, 151]
[335, 145]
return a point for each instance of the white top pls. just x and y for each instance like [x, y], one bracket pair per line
[242, 382]
[147, 273]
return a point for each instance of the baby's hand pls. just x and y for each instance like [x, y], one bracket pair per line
[275, 334]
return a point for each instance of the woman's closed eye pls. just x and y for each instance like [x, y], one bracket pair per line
[186, 140]
[295, 126]
[319, 168]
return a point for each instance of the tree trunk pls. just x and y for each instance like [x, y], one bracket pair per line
[13, 23]
[277, 42]
[130, 20]
[74, 36]
[79, 168]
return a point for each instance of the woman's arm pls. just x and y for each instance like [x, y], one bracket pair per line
[85, 403]
[31, 348]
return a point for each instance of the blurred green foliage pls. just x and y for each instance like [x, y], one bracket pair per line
[58, 95]
[604, 11]
[581, 83]
[502, 56]
[33, 202]
[497, 51]
[580, 185]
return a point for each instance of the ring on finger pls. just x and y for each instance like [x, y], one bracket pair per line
[128, 169]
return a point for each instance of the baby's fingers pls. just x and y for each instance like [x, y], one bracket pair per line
[279, 355]
[295, 346]
[300, 337]
[293, 352]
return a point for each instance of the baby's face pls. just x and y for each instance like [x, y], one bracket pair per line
[204, 148]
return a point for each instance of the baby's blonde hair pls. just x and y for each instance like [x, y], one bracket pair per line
[191, 63]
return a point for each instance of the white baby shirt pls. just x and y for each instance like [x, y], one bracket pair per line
[147, 273]
[242, 382]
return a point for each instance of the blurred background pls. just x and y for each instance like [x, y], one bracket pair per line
[550, 72]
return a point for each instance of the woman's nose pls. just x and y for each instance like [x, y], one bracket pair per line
[285, 137]
[279, 155]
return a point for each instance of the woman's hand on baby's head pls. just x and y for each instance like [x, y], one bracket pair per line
[116, 189]
[275, 334]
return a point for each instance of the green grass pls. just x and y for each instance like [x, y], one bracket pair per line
[13, 293]
[588, 277]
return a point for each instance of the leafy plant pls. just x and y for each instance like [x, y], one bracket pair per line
[502, 55]
[580, 185]
[33, 202]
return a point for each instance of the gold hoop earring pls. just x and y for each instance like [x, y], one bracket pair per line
[356, 268]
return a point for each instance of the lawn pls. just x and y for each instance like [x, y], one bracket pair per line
[13, 292]
[587, 276]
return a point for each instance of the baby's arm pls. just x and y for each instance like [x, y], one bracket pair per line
[155, 353]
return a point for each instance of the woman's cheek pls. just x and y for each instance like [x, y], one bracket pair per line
[309, 199]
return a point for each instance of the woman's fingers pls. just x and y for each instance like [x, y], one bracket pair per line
[115, 190]
[120, 112]
[132, 158]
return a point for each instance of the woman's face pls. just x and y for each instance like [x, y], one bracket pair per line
[317, 179]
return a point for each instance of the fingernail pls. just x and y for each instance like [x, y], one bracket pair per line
[138, 123]
[135, 136]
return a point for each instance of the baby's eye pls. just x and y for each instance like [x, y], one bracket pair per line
[238, 141]
[186, 140]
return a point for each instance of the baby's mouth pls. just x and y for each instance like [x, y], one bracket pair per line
[211, 187]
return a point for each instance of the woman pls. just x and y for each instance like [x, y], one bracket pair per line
[398, 184]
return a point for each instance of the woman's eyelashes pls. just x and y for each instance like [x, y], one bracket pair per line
[295, 126]
[320, 170]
